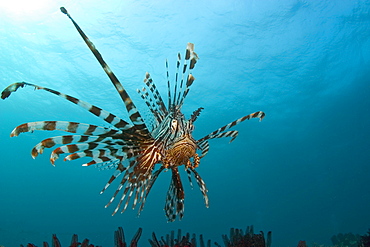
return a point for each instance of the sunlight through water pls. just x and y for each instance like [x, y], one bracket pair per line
[20, 9]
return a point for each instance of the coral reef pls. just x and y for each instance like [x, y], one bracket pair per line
[346, 240]
[119, 240]
[249, 239]
[236, 239]
[365, 240]
[179, 241]
[351, 240]
[302, 244]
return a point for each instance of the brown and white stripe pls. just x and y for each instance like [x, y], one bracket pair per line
[72, 127]
[134, 114]
[132, 148]
[217, 133]
[58, 140]
[174, 205]
[103, 114]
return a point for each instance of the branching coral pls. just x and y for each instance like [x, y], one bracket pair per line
[249, 239]
[119, 240]
[180, 241]
[236, 238]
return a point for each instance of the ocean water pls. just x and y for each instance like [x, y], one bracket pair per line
[302, 173]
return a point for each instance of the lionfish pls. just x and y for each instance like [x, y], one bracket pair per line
[133, 149]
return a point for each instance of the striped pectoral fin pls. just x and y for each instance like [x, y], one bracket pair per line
[127, 192]
[139, 191]
[128, 176]
[202, 186]
[39, 148]
[138, 178]
[73, 148]
[175, 197]
[97, 111]
[120, 168]
[204, 148]
[12, 88]
[67, 139]
[101, 152]
[134, 114]
[231, 133]
[72, 127]
[220, 132]
[103, 114]
[108, 162]
[149, 187]
[135, 187]
[135, 183]
[62, 150]
[119, 188]
[99, 155]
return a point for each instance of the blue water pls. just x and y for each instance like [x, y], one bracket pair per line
[302, 173]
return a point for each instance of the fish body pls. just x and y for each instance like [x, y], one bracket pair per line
[134, 149]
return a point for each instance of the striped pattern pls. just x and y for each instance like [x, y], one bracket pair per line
[132, 149]
[153, 100]
[134, 114]
[204, 148]
[103, 114]
[72, 127]
[218, 133]
[133, 185]
[175, 197]
[149, 186]
[202, 186]
[51, 142]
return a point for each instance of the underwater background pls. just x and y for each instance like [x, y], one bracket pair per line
[302, 173]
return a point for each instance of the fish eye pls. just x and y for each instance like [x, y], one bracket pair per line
[173, 125]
